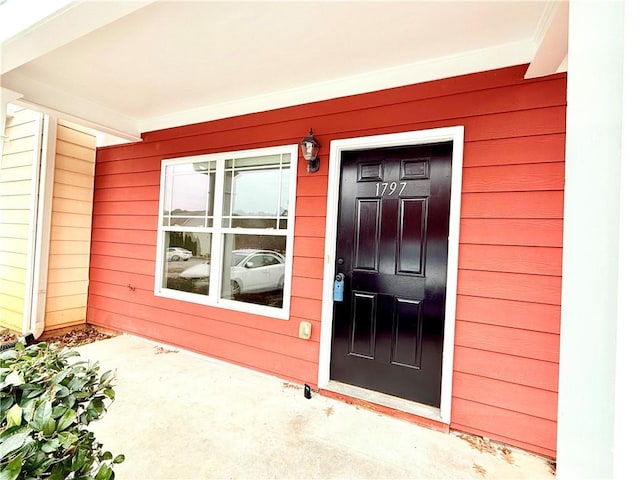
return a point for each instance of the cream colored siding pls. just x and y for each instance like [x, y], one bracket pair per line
[16, 204]
[68, 276]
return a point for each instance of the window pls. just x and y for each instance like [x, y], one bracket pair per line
[225, 229]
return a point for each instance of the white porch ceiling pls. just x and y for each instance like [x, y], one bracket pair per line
[129, 67]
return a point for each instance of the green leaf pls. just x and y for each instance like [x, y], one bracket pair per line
[5, 402]
[69, 401]
[8, 355]
[12, 470]
[58, 377]
[77, 383]
[14, 379]
[107, 377]
[32, 390]
[58, 411]
[67, 439]
[72, 353]
[57, 472]
[40, 416]
[28, 409]
[79, 461]
[106, 456]
[36, 464]
[13, 441]
[95, 409]
[61, 391]
[51, 445]
[45, 403]
[67, 419]
[14, 415]
[109, 393]
[49, 426]
[104, 473]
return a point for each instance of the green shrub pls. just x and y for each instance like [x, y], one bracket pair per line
[47, 399]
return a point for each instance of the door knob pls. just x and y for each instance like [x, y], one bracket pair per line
[340, 261]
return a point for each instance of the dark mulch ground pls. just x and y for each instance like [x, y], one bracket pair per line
[73, 338]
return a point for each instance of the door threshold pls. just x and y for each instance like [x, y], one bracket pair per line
[388, 404]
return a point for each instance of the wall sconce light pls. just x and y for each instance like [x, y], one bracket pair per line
[309, 147]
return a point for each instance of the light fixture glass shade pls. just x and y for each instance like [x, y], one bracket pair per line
[309, 147]
[309, 150]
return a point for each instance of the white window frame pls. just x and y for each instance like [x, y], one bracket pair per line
[217, 232]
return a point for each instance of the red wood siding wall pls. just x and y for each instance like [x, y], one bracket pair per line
[508, 306]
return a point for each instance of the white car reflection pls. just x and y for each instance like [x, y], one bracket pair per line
[252, 271]
[178, 253]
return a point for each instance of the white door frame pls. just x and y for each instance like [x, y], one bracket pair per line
[419, 137]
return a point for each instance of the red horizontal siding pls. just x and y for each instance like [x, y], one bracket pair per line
[121, 279]
[515, 151]
[311, 206]
[536, 402]
[508, 368]
[270, 334]
[512, 205]
[306, 288]
[510, 286]
[516, 124]
[126, 222]
[125, 265]
[247, 335]
[308, 267]
[509, 313]
[310, 227]
[512, 231]
[128, 166]
[505, 425]
[308, 246]
[112, 235]
[122, 180]
[274, 363]
[123, 250]
[514, 178]
[511, 259]
[506, 345]
[510, 341]
[139, 207]
[315, 185]
[306, 308]
[125, 194]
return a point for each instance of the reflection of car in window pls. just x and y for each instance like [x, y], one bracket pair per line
[252, 271]
[178, 253]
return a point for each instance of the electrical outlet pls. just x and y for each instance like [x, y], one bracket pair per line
[304, 331]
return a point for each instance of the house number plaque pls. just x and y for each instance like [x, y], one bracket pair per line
[390, 188]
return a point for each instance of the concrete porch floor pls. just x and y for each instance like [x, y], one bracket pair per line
[182, 416]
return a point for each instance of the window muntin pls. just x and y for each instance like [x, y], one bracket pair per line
[189, 194]
[235, 227]
[250, 199]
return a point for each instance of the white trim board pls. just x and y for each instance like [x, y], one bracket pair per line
[419, 137]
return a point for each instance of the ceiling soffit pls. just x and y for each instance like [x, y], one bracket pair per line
[162, 64]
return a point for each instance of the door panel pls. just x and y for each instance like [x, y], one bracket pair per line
[363, 326]
[366, 251]
[392, 248]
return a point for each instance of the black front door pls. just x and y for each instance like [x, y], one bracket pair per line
[393, 226]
